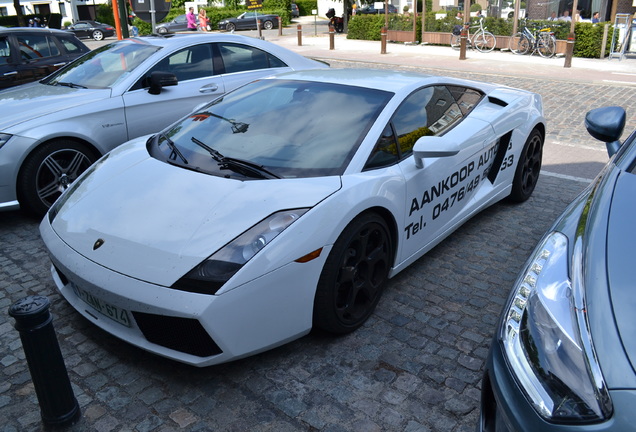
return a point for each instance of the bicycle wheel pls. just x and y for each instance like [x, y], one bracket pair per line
[519, 44]
[484, 41]
[455, 41]
[546, 45]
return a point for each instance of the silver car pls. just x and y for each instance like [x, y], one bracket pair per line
[52, 130]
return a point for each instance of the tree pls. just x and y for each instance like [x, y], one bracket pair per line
[18, 12]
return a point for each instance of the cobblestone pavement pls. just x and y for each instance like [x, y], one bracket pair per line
[416, 365]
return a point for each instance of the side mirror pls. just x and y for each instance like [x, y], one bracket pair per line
[433, 147]
[159, 79]
[606, 124]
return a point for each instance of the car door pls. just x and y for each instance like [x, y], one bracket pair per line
[39, 57]
[8, 62]
[439, 192]
[241, 64]
[197, 83]
[81, 29]
[247, 22]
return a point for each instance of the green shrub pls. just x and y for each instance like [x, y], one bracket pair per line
[306, 6]
[367, 27]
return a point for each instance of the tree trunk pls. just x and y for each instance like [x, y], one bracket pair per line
[18, 12]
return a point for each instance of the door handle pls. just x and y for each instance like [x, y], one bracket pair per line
[210, 88]
[59, 64]
[11, 73]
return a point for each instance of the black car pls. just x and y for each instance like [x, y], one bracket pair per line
[564, 354]
[247, 21]
[369, 9]
[28, 54]
[92, 29]
[179, 23]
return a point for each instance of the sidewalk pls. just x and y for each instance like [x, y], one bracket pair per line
[315, 43]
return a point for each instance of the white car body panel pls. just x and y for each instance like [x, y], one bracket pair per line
[152, 236]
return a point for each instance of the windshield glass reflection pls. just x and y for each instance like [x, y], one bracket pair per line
[290, 128]
[103, 67]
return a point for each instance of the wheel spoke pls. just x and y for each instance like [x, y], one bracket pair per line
[51, 189]
[54, 167]
[77, 165]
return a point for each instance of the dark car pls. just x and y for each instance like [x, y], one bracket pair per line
[92, 29]
[369, 9]
[564, 354]
[179, 23]
[28, 54]
[247, 21]
[295, 12]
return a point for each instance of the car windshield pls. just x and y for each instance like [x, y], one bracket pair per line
[103, 67]
[287, 128]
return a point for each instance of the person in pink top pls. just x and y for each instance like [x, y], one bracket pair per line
[192, 20]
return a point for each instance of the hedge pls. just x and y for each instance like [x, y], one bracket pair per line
[587, 42]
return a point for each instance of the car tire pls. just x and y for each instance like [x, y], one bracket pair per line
[230, 27]
[528, 168]
[268, 25]
[354, 275]
[98, 35]
[162, 30]
[49, 170]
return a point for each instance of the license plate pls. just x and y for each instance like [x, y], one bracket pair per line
[108, 310]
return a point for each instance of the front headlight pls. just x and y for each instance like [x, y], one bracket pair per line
[209, 276]
[546, 339]
[4, 138]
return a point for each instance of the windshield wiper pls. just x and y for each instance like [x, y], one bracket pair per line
[237, 165]
[71, 85]
[174, 150]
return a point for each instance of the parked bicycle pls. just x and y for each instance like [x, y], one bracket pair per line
[482, 40]
[541, 40]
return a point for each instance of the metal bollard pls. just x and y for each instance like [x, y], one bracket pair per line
[300, 34]
[569, 51]
[383, 41]
[280, 26]
[463, 43]
[332, 35]
[259, 28]
[58, 406]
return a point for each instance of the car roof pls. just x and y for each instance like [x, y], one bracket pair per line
[22, 30]
[187, 39]
[380, 79]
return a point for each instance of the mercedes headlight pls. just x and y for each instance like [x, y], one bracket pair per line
[546, 339]
[209, 276]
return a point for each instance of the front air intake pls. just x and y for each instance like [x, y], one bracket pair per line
[180, 334]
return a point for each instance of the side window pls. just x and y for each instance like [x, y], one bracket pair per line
[466, 98]
[238, 58]
[385, 152]
[187, 64]
[71, 46]
[5, 51]
[36, 46]
[427, 111]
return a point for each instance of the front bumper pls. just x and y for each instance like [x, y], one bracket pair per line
[196, 329]
[504, 407]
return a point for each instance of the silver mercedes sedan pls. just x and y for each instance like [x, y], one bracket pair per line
[53, 130]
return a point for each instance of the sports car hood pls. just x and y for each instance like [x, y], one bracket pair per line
[158, 221]
[621, 238]
[24, 103]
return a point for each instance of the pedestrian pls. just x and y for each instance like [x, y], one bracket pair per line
[203, 21]
[553, 17]
[595, 18]
[192, 20]
[566, 16]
